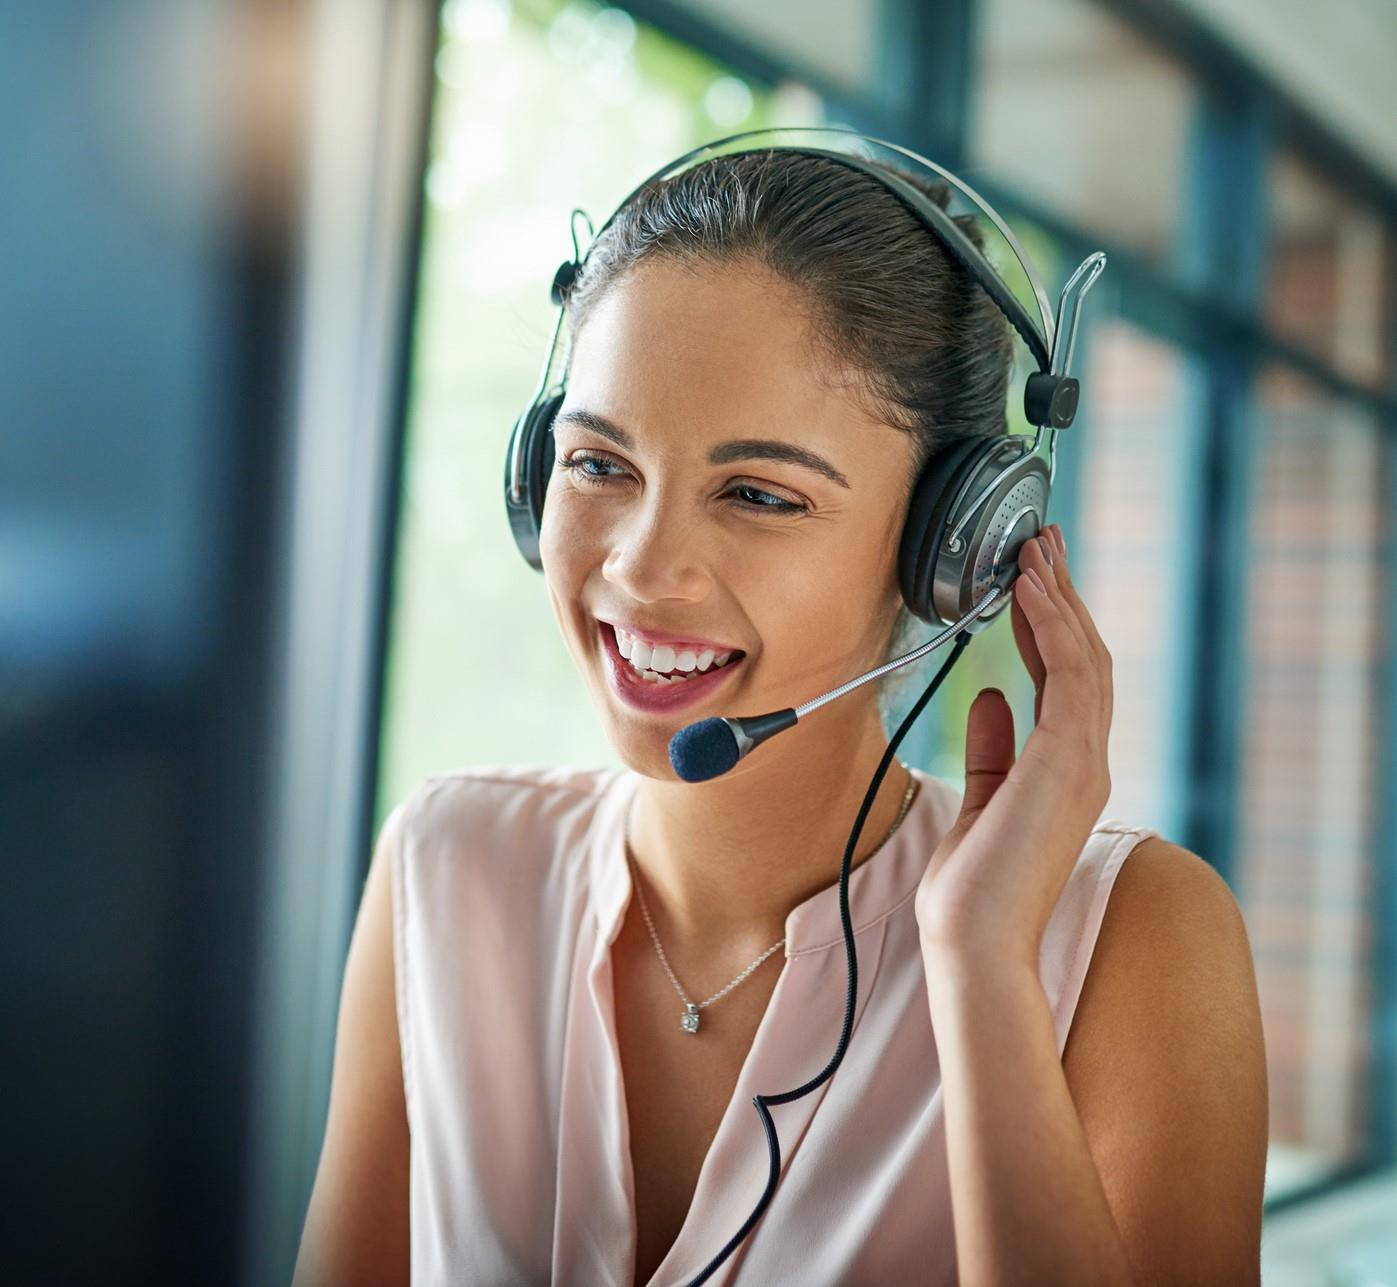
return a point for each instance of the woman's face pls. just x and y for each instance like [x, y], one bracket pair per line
[716, 493]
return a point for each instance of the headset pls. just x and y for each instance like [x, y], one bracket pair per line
[976, 501]
[977, 496]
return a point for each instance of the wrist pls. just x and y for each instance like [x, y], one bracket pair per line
[964, 970]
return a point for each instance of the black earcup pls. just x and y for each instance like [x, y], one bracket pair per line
[528, 465]
[925, 528]
[940, 585]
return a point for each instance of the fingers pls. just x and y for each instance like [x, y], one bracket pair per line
[1023, 637]
[1075, 683]
[1028, 650]
[1064, 580]
[1082, 614]
[989, 748]
[1042, 603]
[1042, 555]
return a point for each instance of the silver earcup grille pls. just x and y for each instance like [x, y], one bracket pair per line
[1028, 496]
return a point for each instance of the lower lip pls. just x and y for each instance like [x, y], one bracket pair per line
[645, 694]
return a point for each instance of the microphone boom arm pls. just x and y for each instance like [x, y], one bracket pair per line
[995, 592]
[712, 746]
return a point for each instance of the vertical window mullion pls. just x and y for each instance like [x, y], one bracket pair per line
[1219, 234]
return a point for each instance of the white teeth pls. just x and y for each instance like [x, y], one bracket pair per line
[660, 664]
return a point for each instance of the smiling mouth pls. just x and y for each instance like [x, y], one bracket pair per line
[667, 664]
[648, 690]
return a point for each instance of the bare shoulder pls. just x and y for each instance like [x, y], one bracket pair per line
[1166, 1065]
[356, 1228]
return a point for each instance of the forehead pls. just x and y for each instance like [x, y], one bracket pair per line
[714, 351]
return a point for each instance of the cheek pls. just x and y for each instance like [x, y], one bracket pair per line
[569, 562]
[564, 544]
[837, 602]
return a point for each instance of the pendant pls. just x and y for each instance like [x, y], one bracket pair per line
[689, 1021]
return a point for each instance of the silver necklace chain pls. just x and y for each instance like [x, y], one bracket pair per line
[689, 1021]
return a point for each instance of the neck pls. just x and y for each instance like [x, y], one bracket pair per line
[724, 862]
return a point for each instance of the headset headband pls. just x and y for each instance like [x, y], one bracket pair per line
[1038, 338]
[1050, 396]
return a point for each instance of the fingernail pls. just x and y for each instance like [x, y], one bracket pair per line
[1046, 545]
[1060, 539]
[1037, 580]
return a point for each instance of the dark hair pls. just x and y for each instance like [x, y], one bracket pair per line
[927, 345]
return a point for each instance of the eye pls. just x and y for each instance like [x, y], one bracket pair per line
[581, 463]
[767, 501]
[592, 471]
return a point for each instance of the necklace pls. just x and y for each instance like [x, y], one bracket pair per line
[689, 1020]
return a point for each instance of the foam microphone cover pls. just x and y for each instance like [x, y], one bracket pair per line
[710, 747]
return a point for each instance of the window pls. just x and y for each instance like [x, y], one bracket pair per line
[1330, 284]
[1137, 517]
[1083, 117]
[834, 39]
[539, 108]
[1309, 758]
[1085, 126]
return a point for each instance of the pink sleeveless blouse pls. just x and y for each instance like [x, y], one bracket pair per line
[509, 886]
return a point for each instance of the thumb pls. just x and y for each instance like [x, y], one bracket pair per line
[989, 748]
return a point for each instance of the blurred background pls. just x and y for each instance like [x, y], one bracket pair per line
[275, 286]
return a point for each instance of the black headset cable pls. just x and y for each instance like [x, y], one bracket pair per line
[760, 1102]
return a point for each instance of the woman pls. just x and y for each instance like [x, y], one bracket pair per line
[1041, 1085]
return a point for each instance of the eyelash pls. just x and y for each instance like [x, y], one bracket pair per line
[579, 458]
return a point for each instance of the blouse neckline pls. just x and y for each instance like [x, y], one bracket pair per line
[877, 887]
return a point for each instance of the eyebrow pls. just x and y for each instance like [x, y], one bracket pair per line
[724, 453]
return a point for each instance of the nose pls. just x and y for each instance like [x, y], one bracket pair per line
[656, 553]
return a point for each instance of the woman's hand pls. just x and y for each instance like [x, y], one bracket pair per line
[996, 876]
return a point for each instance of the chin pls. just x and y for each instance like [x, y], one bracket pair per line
[643, 750]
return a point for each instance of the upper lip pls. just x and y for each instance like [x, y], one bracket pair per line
[652, 636]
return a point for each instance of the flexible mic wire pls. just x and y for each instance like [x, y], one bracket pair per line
[760, 1102]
